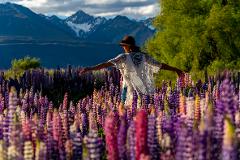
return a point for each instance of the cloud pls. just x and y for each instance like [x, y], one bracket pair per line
[134, 12]
[130, 8]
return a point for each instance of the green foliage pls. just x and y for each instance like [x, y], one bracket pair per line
[197, 36]
[20, 65]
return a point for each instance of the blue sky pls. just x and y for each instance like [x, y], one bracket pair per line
[137, 9]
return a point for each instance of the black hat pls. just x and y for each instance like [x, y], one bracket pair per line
[128, 41]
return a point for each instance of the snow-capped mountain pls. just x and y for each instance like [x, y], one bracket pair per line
[17, 20]
[83, 24]
[92, 28]
[149, 23]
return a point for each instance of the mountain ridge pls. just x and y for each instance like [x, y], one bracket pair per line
[21, 21]
[50, 38]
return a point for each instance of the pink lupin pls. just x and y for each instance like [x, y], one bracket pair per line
[110, 129]
[141, 134]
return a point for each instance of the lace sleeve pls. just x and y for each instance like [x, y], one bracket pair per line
[118, 60]
[155, 65]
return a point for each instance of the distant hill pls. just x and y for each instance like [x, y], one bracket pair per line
[16, 20]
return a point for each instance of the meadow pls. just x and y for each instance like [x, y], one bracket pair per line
[65, 115]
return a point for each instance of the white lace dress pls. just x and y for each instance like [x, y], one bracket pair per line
[137, 70]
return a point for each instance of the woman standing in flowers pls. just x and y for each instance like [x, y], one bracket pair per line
[137, 69]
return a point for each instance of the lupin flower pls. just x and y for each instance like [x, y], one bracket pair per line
[94, 145]
[15, 145]
[35, 100]
[65, 127]
[202, 142]
[69, 149]
[12, 107]
[35, 127]
[6, 97]
[65, 101]
[71, 113]
[1, 126]
[56, 132]
[6, 130]
[110, 129]
[159, 127]
[84, 123]
[227, 100]
[50, 107]
[1, 103]
[229, 148]
[182, 104]
[41, 151]
[26, 128]
[49, 136]
[13, 152]
[131, 141]
[28, 150]
[99, 116]
[190, 107]
[184, 148]
[134, 103]
[92, 122]
[3, 150]
[166, 107]
[166, 153]
[152, 140]
[197, 109]
[141, 134]
[122, 137]
[146, 100]
[203, 104]
[77, 145]
[61, 141]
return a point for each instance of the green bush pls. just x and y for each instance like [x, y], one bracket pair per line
[18, 66]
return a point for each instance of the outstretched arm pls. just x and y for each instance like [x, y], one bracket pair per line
[164, 66]
[97, 67]
[170, 68]
[100, 66]
[111, 62]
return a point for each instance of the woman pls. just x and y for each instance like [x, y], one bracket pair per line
[137, 69]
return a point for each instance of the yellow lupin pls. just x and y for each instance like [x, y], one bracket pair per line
[197, 109]
[229, 133]
[182, 104]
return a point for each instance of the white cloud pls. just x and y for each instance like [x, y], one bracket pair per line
[144, 11]
[135, 12]
[131, 8]
[31, 3]
[101, 2]
[61, 14]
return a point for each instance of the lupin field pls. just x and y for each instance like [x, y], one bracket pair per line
[185, 121]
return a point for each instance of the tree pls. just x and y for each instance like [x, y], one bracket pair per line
[20, 65]
[197, 36]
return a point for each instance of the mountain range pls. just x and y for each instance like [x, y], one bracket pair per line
[21, 25]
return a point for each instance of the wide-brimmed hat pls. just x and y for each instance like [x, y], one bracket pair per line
[128, 41]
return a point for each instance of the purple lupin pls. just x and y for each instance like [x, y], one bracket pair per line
[131, 141]
[152, 140]
[229, 143]
[122, 135]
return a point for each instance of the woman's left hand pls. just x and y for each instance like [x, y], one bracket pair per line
[84, 70]
[180, 73]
